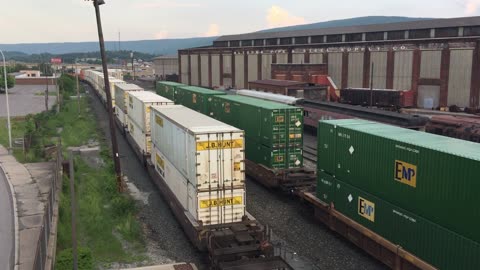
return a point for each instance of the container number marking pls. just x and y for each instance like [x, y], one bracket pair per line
[366, 209]
[221, 202]
[212, 145]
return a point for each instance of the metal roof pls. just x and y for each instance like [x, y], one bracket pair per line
[412, 25]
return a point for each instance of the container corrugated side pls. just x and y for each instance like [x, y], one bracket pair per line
[434, 244]
[121, 116]
[139, 107]
[209, 153]
[168, 89]
[142, 140]
[207, 207]
[196, 98]
[429, 175]
[325, 188]
[261, 154]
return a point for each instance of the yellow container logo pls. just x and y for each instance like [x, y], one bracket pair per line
[406, 173]
[366, 209]
[212, 145]
[158, 120]
[160, 162]
[194, 98]
[221, 202]
[236, 166]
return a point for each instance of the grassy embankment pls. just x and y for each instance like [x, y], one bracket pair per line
[107, 229]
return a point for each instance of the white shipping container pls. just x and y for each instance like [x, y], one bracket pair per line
[208, 153]
[142, 140]
[121, 116]
[139, 103]
[208, 207]
[121, 94]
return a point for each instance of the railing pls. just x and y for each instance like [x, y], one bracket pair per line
[46, 245]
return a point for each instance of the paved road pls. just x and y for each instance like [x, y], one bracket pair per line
[6, 224]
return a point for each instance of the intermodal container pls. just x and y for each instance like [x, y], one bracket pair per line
[261, 154]
[205, 206]
[432, 176]
[142, 139]
[440, 247]
[196, 98]
[208, 153]
[168, 89]
[139, 104]
[121, 96]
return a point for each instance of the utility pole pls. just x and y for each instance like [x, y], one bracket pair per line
[78, 88]
[58, 91]
[46, 90]
[133, 68]
[9, 126]
[73, 209]
[371, 84]
[116, 156]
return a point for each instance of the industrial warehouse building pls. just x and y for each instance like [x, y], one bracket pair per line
[438, 59]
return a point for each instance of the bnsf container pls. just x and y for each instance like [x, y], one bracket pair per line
[167, 89]
[196, 98]
[432, 176]
[440, 247]
[208, 153]
[139, 104]
[208, 207]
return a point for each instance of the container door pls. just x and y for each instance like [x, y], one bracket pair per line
[221, 206]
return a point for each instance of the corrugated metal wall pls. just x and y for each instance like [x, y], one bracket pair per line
[335, 67]
[298, 58]
[430, 64]
[379, 70]
[266, 66]
[402, 71]
[316, 58]
[227, 70]
[194, 65]
[252, 67]
[459, 79]
[204, 67]
[355, 70]
[239, 71]
[184, 62]
[282, 58]
[215, 70]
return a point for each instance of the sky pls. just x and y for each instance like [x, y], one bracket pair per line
[34, 21]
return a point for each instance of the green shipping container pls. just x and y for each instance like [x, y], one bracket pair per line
[167, 89]
[432, 176]
[261, 154]
[325, 187]
[434, 244]
[196, 98]
[276, 125]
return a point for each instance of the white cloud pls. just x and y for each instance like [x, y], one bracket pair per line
[279, 17]
[161, 35]
[165, 4]
[213, 30]
[471, 7]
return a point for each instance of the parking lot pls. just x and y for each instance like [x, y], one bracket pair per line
[27, 99]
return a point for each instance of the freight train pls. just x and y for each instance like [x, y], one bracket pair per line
[198, 165]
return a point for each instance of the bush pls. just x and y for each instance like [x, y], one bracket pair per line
[65, 259]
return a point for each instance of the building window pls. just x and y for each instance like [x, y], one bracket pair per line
[374, 36]
[471, 31]
[334, 38]
[353, 37]
[419, 33]
[235, 43]
[220, 44]
[317, 39]
[394, 35]
[301, 40]
[258, 42]
[446, 32]
[285, 41]
[272, 41]
[247, 43]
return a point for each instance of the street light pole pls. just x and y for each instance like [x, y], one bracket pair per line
[133, 67]
[8, 107]
[116, 156]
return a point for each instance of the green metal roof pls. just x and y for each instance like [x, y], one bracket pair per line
[201, 90]
[435, 142]
[170, 83]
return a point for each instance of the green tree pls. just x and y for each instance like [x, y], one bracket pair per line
[10, 81]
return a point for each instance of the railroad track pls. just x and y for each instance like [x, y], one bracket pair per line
[310, 153]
